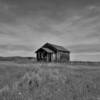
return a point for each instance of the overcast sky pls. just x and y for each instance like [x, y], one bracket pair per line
[25, 25]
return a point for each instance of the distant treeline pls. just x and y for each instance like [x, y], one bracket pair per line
[18, 59]
[85, 62]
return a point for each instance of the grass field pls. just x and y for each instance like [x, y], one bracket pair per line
[40, 81]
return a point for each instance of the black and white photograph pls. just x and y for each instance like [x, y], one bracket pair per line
[49, 49]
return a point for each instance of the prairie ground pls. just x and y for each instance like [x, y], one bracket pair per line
[51, 81]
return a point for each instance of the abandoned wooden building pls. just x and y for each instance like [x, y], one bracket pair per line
[52, 53]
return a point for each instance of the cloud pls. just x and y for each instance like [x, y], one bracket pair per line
[27, 24]
[6, 39]
[94, 56]
[85, 48]
[6, 13]
[13, 47]
[16, 53]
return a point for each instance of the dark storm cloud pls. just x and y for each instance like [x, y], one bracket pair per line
[6, 14]
[56, 10]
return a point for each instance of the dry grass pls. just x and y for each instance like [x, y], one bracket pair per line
[49, 82]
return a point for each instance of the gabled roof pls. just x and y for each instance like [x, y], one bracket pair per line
[59, 48]
[47, 50]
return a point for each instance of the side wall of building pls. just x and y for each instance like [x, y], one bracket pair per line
[61, 57]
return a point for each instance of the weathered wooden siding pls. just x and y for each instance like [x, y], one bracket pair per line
[62, 57]
[54, 55]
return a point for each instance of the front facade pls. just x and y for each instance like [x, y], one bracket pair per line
[52, 53]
